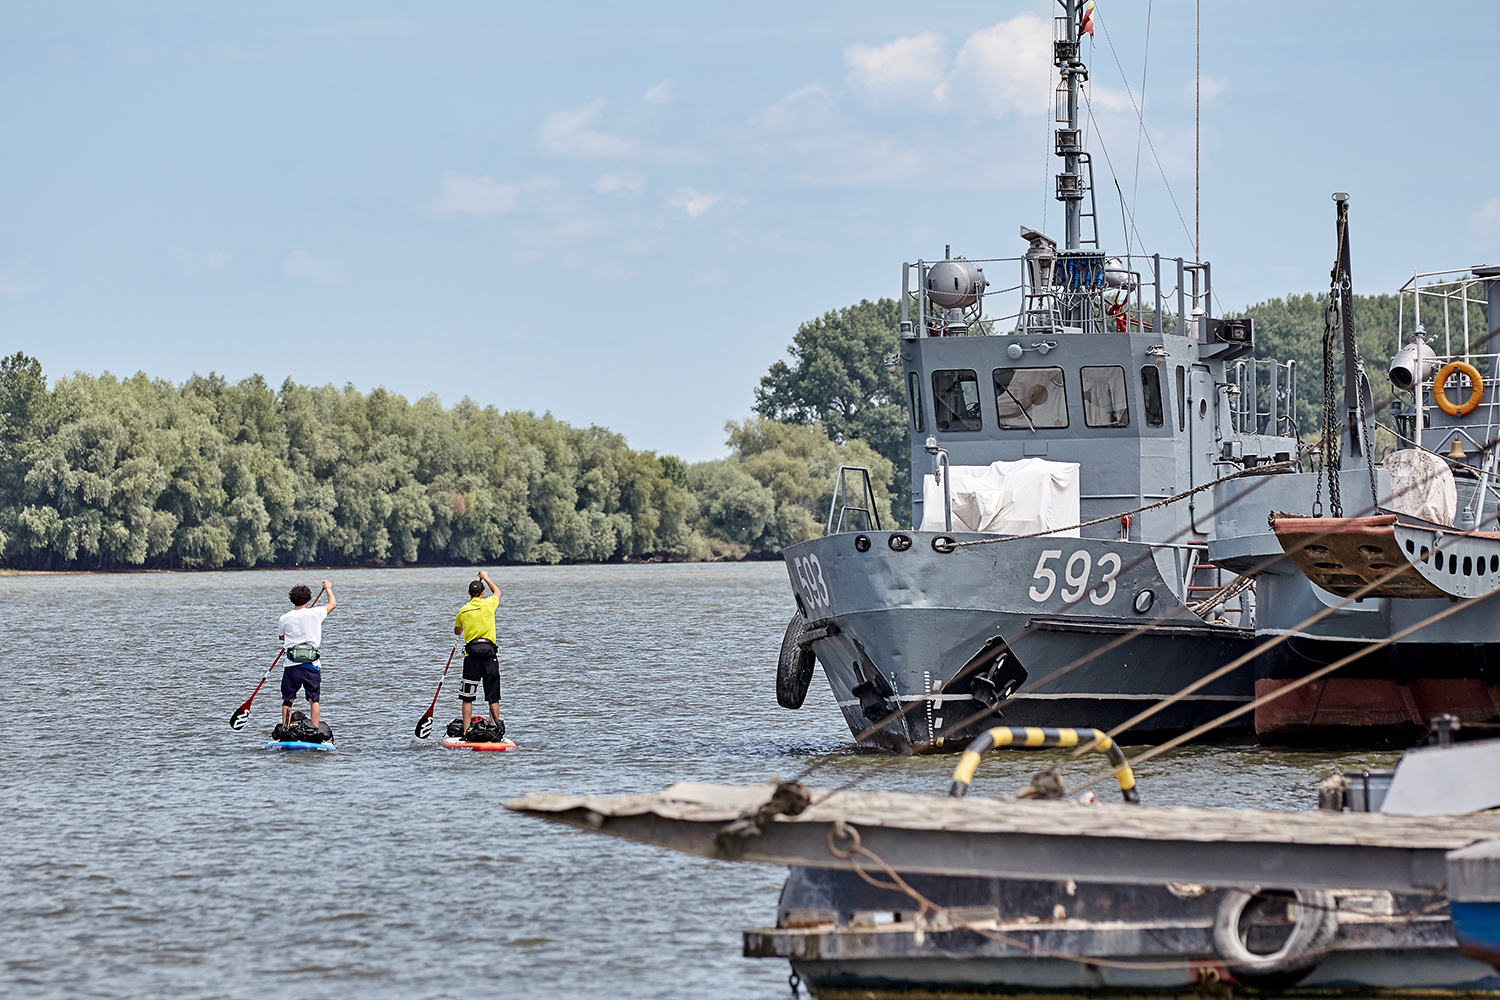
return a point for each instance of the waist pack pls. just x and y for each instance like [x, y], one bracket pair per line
[481, 647]
[302, 652]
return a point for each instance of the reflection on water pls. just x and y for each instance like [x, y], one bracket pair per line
[153, 851]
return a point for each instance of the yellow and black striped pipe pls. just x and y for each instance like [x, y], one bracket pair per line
[1032, 738]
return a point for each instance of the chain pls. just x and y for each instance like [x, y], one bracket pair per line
[1366, 420]
[1331, 443]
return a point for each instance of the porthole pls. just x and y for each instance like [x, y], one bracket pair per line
[1202, 408]
[899, 542]
[862, 543]
[1143, 601]
[944, 544]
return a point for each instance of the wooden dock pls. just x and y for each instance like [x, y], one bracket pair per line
[1036, 839]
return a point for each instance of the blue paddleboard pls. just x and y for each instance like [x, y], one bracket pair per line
[297, 745]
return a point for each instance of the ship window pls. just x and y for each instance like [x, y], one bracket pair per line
[1181, 399]
[955, 399]
[914, 392]
[1104, 403]
[1030, 398]
[1151, 394]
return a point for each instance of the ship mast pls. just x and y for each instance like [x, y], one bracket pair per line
[1067, 57]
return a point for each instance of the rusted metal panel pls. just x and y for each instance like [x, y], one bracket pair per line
[1343, 555]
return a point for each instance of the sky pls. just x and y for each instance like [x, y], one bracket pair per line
[620, 212]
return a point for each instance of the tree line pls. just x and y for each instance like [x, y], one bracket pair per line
[103, 472]
[99, 472]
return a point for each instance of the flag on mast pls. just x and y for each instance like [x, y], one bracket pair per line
[1086, 23]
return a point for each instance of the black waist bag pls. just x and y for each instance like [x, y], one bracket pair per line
[481, 648]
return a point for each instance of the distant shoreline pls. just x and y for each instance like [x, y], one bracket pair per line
[325, 568]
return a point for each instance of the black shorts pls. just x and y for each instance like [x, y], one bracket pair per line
[477, 668]
[299, 675]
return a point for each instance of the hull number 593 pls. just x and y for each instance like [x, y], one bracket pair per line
[1075, 577]
[809, 573]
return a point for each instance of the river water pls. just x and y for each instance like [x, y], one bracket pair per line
[151, 851]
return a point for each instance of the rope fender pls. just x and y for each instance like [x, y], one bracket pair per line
[1033, 738]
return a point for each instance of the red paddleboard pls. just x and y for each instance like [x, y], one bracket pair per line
[454, 743]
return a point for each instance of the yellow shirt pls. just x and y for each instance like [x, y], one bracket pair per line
[477, 618]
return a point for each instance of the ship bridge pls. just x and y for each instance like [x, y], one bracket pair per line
[1094, 360]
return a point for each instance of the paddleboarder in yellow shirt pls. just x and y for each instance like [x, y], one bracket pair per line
[475, 621]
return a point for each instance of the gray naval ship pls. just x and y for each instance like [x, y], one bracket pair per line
[1373, 587]
[1062, 454]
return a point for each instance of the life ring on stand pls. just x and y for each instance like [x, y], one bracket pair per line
[1440, 389]
[1305, 948]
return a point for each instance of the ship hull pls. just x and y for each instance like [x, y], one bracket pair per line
[1390, 693]
[916, 643]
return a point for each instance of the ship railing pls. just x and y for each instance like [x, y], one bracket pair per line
[1475, 430]
[1455, 299]
[1263, 397]
[1067, 292]
[863, 504]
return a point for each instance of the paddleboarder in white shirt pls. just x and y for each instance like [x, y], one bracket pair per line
[301, 633]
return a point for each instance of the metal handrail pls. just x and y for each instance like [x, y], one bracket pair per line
[867, 498]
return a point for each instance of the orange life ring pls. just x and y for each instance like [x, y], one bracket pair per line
[1440, 389]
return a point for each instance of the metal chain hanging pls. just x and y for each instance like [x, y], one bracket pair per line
[1366, 421]
[1330, 462]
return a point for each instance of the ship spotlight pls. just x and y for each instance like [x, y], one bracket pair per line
[1117, 275]
[1413, 364]
[931, 445]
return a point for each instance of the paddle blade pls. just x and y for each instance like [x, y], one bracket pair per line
[237, 720]
[424, 727]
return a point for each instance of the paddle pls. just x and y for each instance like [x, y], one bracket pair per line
[424, 724]
[237, 720]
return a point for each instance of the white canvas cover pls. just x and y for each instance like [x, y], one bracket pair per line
[1421, 485]
[1006, 498]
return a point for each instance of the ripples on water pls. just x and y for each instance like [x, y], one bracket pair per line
[151, 851]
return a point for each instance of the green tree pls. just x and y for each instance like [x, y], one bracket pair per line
[838, 377]
[776, 487]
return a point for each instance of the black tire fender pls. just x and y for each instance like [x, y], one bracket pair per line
[794, 668]
[1303, 951]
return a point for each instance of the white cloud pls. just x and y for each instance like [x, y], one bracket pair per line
[1486, 223]
[566, 133]
[474, 196]
[1003, 69]
[807, 107]
[1211, 87]
[20, 279]
[662, 93]
[1103, 98]
[713, 276]
[300, 266]
[900, 72]
[695, 202]
[620, 182]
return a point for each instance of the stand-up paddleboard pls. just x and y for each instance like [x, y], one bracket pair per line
[298, 745]
[454, 743]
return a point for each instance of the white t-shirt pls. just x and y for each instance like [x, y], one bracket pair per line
[304, 625]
